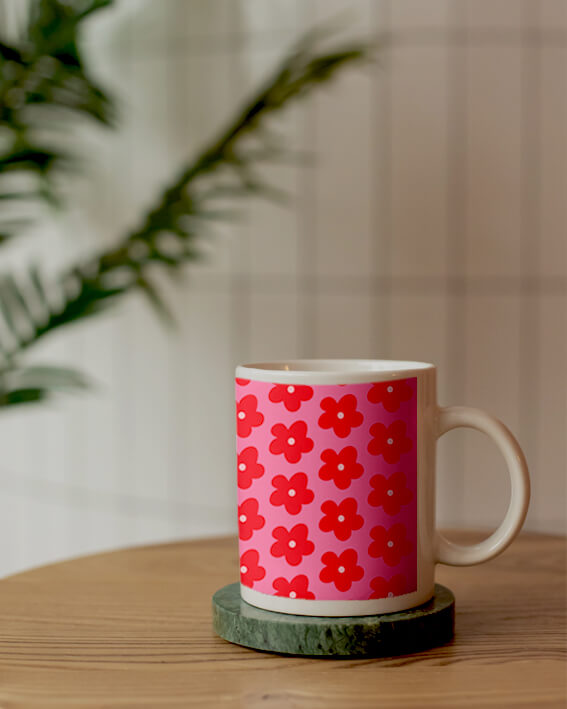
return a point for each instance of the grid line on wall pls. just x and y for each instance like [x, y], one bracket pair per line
[529, 344]
[381, 120]
[455, 249]
[76, 494]
[240, 253]
[307, 249]
[398, 285]
[195, 45]
[125, 433]
[307, 228]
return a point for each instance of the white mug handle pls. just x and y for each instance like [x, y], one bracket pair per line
[460, 555]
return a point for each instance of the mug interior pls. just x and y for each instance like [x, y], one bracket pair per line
[331, 370]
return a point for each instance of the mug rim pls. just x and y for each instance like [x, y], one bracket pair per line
[331, 371]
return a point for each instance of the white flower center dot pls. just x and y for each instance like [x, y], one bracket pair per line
[291, 492]
[390, 390]
[292, 594]
[241, 415]
[243, 569]
[390, 594]
[243, 518]
[390, 493]
[291, 544]
[340, 466]
[341, 569]
[390, 544]
[390, 441]
[242, 466]
[341, 518]
[340, 415]
[290, 390]
[291, 441]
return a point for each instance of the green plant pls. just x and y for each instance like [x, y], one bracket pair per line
[42, 77]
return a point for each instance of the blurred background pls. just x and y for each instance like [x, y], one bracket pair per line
[431, 225]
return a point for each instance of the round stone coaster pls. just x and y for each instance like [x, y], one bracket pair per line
[419, 628]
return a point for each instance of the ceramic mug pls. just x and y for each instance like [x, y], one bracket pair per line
[336, 485]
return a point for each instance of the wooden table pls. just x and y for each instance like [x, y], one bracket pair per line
[133, 629]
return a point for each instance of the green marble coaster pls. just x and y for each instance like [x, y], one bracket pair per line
[420, 628]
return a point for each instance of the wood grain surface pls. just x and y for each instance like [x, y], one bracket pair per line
[133, 629]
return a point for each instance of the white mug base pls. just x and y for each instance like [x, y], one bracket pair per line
[302, 606]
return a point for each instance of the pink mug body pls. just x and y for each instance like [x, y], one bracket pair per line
[328, 493]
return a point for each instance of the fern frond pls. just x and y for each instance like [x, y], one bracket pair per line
[33, 305]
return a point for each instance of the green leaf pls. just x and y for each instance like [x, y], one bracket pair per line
[10, 54]
[53, 27]
[19, 196]
[36, 383]
[38, 159]
[49, 377]
[156, 300]
[23, 396]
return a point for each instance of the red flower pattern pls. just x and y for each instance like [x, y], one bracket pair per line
[291, 395]
[340, 467]
[296, 588]
[247, 415]
[293, 493]
[248, 467]
[293, 544]
[342, 569]
[250, 569]
[384, 588]
[291, 441]
[342, 519]
[390, 394]
[390, 493]
[390, 544]
[342, 415]
[389, 441]
[330, 549]
[248, 518]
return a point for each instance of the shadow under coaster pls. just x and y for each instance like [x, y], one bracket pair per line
[412, 630]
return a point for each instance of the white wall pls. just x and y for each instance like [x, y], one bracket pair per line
[432, 227]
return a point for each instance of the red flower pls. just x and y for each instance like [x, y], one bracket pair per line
[292, 493]
[292, 441]
[341, 519]
[390, 394]
[291, 395]
[340, 415]
[248, 518]
[250, 569]
[390, 493]
[242, 382]
[340, 467]
[296, 588]
[248, 467]
[247, 415]
[390, 544]
[292, 544]
[389, 441]
[382, 588]
[341, 570]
